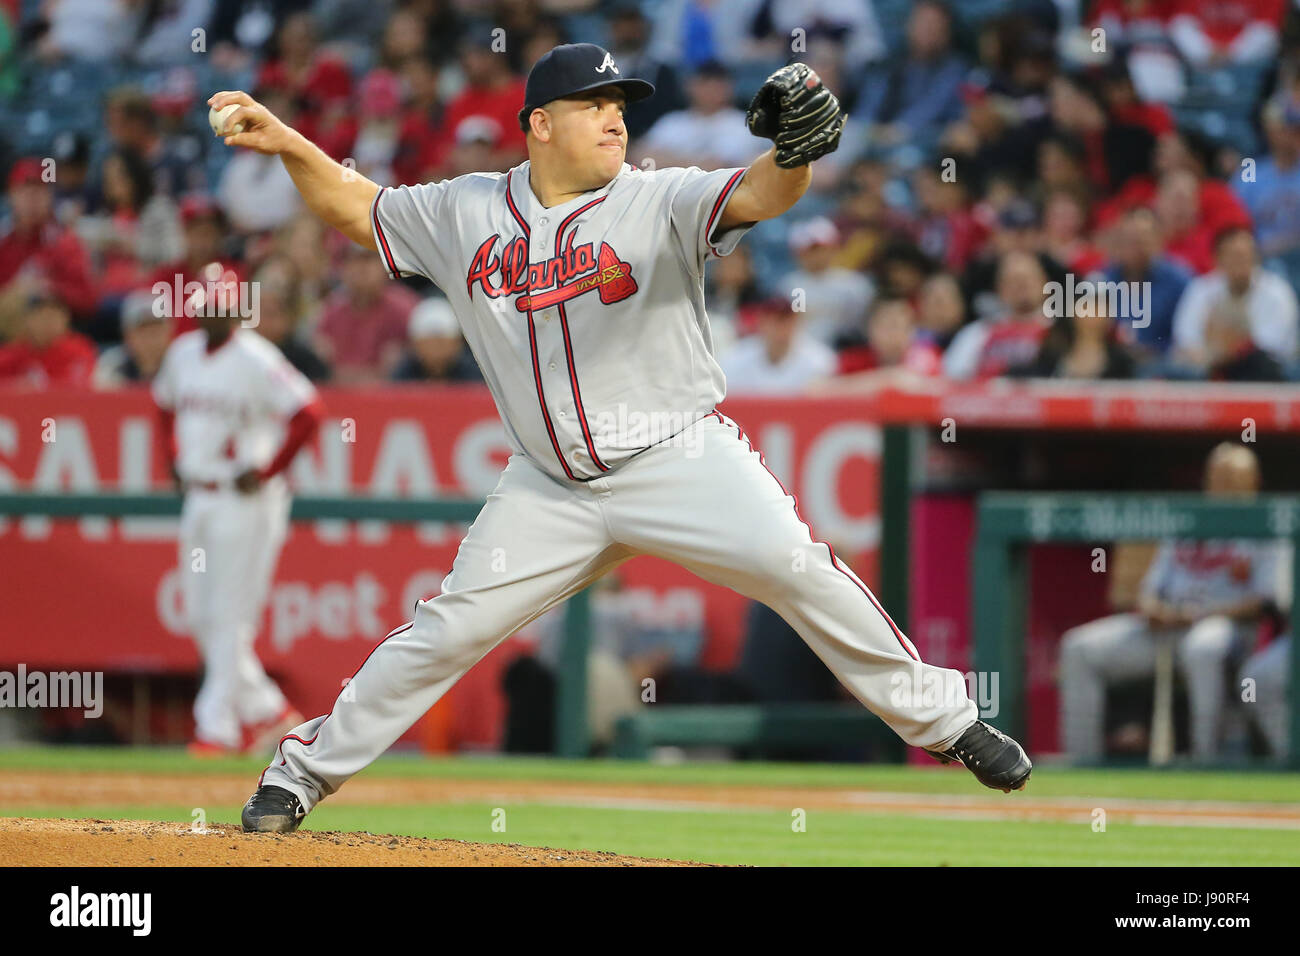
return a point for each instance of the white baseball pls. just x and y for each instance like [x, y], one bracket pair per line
[217, 120]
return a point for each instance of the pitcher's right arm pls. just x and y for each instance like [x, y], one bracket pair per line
[341, 197]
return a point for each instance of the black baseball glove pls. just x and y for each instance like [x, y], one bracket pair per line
[798, 113]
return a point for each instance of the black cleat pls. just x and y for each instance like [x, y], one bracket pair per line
[272, 810]
[996, 760]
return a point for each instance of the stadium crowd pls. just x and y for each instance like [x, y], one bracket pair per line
[995, 147]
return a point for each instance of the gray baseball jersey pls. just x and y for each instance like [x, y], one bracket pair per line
[588, 321]
[586, 318]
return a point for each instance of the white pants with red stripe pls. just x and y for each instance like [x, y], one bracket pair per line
[229, 545]
[703, 500]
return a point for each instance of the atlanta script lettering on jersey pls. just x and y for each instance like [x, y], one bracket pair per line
[566, 272]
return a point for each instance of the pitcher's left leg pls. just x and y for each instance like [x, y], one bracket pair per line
[709, 504]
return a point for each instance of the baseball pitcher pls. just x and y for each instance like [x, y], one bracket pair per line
[578, 281]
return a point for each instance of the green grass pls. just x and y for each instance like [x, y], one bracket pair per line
[765, 838]
[752, 836]
[1048, 781]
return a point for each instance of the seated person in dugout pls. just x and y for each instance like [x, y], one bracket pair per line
[1209, 597]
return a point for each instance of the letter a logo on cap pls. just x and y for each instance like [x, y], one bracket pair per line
[608, 62]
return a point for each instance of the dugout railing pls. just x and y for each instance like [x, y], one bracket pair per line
[1008, 523]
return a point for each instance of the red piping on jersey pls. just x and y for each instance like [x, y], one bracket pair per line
[532, 348]
[389, 262]
[568, 345]
[307, 743]
[835, 562]
[717, 208]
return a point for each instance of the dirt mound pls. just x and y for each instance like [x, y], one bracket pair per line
[40, 842]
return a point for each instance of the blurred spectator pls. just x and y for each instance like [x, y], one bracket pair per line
[1138, 259]
[404, 39]
[919, 92]
[941, 310]
[1124, 105]
[730, 291]
[1065, 220]
[1140, 28]
[693, 32]
[864, 216]
[145, 337]
[888, 341]
[132, 123]
[137, 229]
[901, 270]
[1268, 299]
[710, 133]
[1208, 597]
[1231, 354]
[363, 326]
[948, 230]
[317, 83]
[421, 142]
[239, 29]
[990, 137]
[91, 30]
[1188, 237]
[1213, 32]
[832, 299]
[279, 301]
[436, 352]
[164, 35]
[1272, 195]
[991, 346]
[1082, 344]
[475, 147]
[256, 192]
[37, 246]
[73, 194]
[203, 262]
[305, 242]
[1114, 149]
[379, 105]
[47, 351]
[1061, 165]
[1018, 228]
[851, 24]
[629, 36]
[547, 34]
[1270, 670]
[779, 359]
[1192, 211]
[493, 92]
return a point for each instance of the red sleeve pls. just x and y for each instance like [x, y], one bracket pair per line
[68, 268]
[167, 434]
[301, 426]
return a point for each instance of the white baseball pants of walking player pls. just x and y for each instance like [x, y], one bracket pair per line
[703, 500]
[1270, 669]
[1122, 647]
[229, 545]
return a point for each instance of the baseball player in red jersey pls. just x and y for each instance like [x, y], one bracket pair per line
[233, 413]
[578, 281]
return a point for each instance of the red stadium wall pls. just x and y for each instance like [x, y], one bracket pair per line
[101, 594]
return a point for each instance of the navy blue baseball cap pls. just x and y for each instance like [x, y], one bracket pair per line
[575, 68]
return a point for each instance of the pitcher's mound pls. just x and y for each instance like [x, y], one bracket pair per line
[40, 842]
